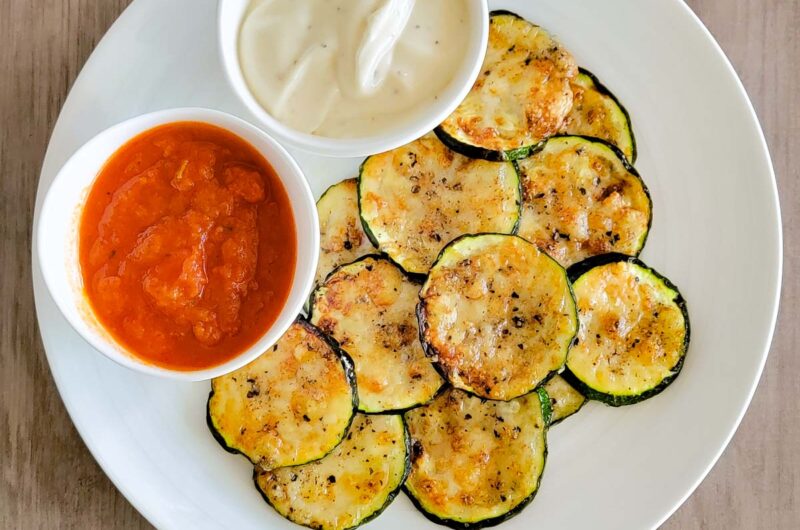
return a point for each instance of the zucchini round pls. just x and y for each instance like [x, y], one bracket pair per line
[522, 95]
[342, 239]
[634, 330]
[597, 112]
[476, 463]
[416, 198]
[497, 315]
[581, 198]
[368, 307]
[564, 400]
[351, 485]
[291, 405]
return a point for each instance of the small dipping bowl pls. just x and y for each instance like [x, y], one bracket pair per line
[230, 16]
[59, 224]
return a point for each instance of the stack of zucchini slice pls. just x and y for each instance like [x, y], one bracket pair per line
[293, 413]
[475, 287]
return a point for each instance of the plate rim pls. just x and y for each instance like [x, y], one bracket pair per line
[778, 287]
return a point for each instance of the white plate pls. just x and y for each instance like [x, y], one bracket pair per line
[716, 234]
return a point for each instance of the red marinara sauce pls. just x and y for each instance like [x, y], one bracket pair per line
[187, 246]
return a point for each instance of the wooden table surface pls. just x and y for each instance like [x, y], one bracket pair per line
[49, 479]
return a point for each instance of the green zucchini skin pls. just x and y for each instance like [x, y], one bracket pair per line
[364, 223]
[349, 371]
[547, 407]
[578, 270]
[535, 150]
[603, 90]
[473, 151]
[620, 401]
[313, 309]
[390, 498]
[500, 12]
[544, 401]
[423, 318]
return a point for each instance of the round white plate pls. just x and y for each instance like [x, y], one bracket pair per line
[716, 234]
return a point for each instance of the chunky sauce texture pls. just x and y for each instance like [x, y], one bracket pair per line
[187, 246]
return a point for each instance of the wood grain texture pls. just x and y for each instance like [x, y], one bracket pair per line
[48, 478]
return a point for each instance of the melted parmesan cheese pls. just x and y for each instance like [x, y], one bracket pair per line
[499, 315]
[632, 333]
[564, 400]
[418, 197]
[341, 237]
[369, 308]
[522, 95]
[473, 459]
[351, 484]
[291, 405]
[580, 200]
[596, 113]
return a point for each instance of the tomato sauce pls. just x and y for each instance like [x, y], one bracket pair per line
[187, 246]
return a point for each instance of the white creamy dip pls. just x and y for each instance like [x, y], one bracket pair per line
[350, 68]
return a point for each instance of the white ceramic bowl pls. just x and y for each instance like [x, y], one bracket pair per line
[60, 215]
[229, 18]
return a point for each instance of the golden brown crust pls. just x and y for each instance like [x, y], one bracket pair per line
[350, 485]
[420, 196]
[632, 333]
[291, 405]
[580, 200]
[497, 315]
[596, 113]
[369, 308]
[523, 92]
[342, 239]
[473, 459]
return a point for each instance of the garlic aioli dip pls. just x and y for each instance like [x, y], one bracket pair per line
[351, 68]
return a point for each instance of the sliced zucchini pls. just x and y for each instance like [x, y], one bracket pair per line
[521, 97]
[581, 198]
[351, 485]
[342, 238]
[292, 405]
[416, 198]
[476, 463]
[497, 315]
[634, 330]
[368, 307]
[564, 399]
[597, 112]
